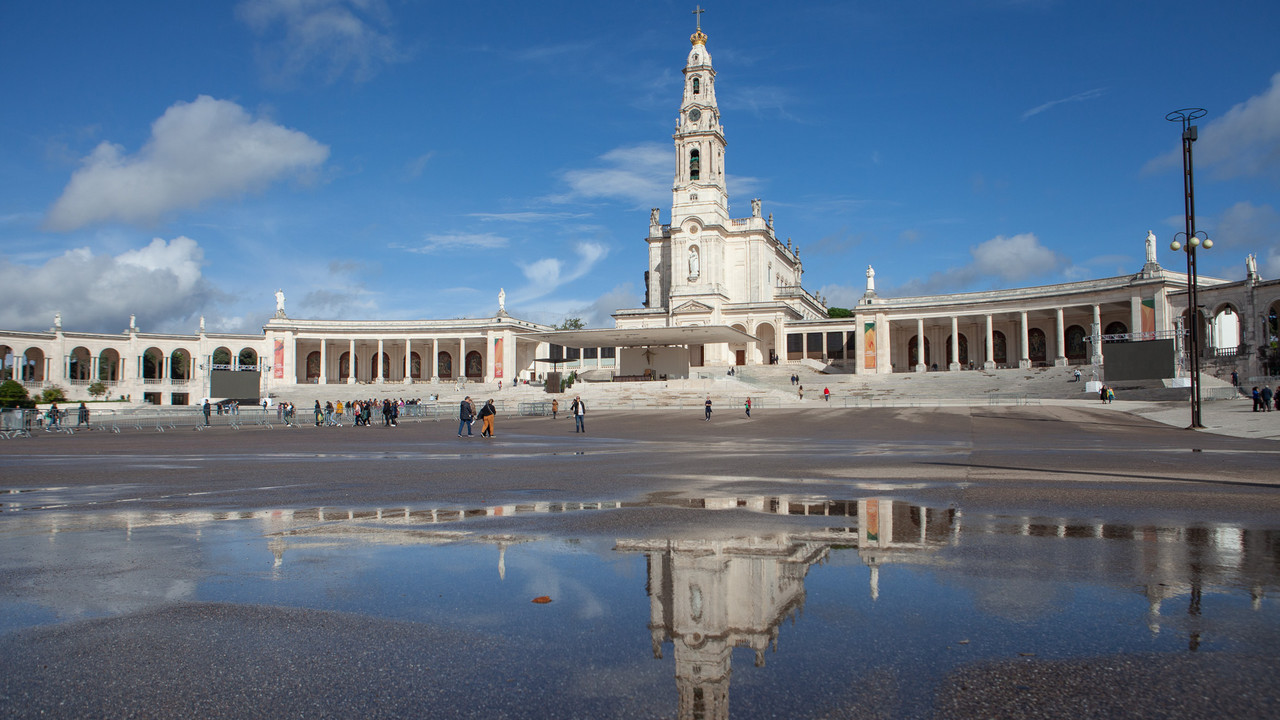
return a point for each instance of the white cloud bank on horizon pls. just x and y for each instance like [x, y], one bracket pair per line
[636, 174]
[197, 151]
[337, 36]
[1011, 261]
[162, 283]
[1242, 143]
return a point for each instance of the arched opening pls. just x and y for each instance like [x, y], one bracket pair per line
[248, 358]
[767, 348]
[964, 350]
[694, 165]
[180, 365]
[1270, 351]
[33, 365]
[415, 366]
[80, 365]
[8, 360]
[109, 366]
[1076, 351]
[475, 365]
[444, 366]
[913, 351]
[152, 364]
[1037, 350]
[697, 86]
[344, 366]
[222, 356]
[1224, 330]
[313, 366]
[1116, 328]
[999, 348]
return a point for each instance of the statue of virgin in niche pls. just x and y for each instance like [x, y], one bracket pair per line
[693, 263]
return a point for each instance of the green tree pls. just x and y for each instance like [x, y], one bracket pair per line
[14, 395]
[53, 394]
[839, 312]
[573, 323]
[98, 389]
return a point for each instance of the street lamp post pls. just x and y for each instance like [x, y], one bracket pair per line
[1193, 239]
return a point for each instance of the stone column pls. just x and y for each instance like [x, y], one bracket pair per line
[351, 361]
[1135, 317]
[435, 358]
[1060, 350]
[408, 361]
[66, 367]
[324, 361]
[1096, 350]
[1024, 353]
[859, 345]
[460, 363]
[955, 343]
[989, 362]
[884, 345]
[921, 365]
[377, 364]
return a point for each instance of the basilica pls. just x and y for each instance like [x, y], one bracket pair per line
[720, 291]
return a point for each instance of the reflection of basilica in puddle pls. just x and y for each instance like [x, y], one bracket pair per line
[711, 594]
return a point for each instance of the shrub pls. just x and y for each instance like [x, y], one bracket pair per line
[53, 394]
[13, 394]
[98, 389]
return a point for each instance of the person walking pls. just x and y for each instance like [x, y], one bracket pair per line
[1102, 393]
[1076, 375]
[328, 414]
[1235, 378]
[205, 409]
[747, 406]
[708, 409]
[465, 413]
[579, 409]
[801, 392]
[826, 394]
[1257, 398]
[555, 408]
[51, 417]
[487, 414]
[82, 416]
[1266, 399]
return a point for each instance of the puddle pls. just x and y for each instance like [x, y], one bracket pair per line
[844, 591]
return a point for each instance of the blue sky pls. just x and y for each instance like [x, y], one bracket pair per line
[383, 159]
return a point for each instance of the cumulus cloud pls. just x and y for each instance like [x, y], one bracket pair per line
[162, 283]
[639, 174]
[1005, 261]
[547, 274]
[1247, 227]
[1244, 142]
[197, 151]
[337, 37]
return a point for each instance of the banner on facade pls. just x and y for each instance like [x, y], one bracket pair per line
[497, 358]
[872, 532]
[279, 359]
[869, 345]
[1148, 318]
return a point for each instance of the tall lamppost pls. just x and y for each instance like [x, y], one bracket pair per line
[1193, 239]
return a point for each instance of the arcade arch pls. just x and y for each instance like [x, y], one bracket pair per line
[152, 364]
[109, 366]
[80, 365]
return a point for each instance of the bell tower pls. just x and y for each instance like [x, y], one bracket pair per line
[699, 187]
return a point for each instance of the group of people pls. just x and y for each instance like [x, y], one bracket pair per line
[577, 408]
[467, 415]
[1265, 400]
[1106, 394]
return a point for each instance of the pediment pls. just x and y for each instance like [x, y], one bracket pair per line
[692, 306]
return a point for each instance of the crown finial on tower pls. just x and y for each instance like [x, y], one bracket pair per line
[699, 37]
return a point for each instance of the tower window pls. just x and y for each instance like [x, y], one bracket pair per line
[694, 163]
[696, 86]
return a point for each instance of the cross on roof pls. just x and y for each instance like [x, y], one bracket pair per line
[698, 14]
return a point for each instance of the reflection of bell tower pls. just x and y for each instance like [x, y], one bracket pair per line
[707, 597]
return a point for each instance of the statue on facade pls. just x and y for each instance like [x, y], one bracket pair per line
[871, 279]
[280, 303]
[1151, 248]
[693, 263]
[654, 217]
[502, 300]
[770, 222]
[201, 324]
[57, 320]
[1251, 265]
[133, 322]
[755, 207]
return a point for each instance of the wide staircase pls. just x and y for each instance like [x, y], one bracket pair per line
[768, 386]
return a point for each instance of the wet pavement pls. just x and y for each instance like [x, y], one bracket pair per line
[948, 562]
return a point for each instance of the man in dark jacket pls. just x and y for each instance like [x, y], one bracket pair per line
[464, 416]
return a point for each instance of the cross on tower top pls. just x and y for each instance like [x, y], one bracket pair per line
[697, 13]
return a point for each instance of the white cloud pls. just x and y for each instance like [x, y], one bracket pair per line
[638, 174]
[1014, 261]
[197, 151]
[454, 241]
[1245, 226]
[1242, 143]
[161, 283]
[337, 36]
[528, 217]
[1078, 97]
[547, 274]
